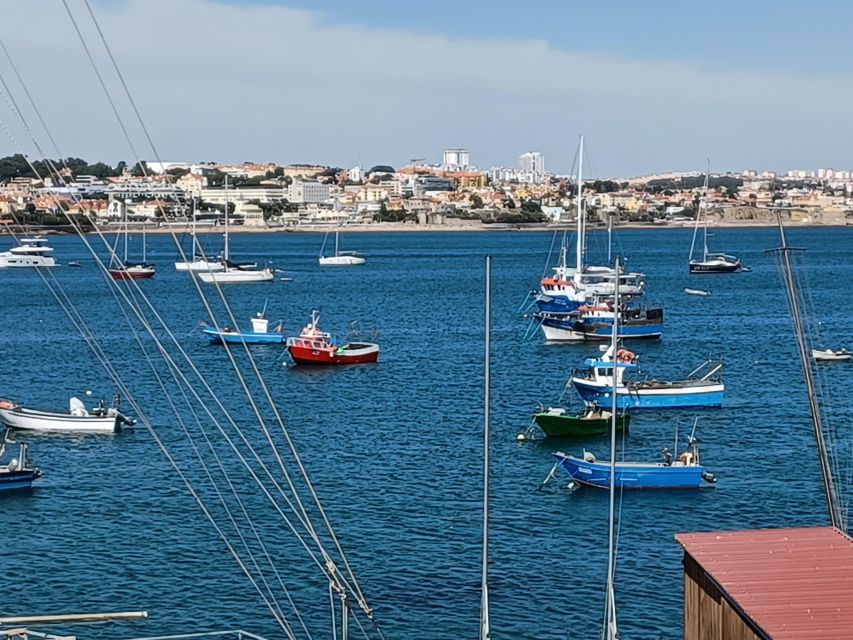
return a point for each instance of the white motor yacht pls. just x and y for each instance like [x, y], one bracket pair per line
[32, 252]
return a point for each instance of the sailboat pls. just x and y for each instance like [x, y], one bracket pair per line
[339, 258]
[232, 273]
[710, 262]
[121, 269]
[199, 262]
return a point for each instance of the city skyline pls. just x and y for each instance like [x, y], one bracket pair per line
[331, 85]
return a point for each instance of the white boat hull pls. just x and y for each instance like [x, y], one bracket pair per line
[235, 276]
[556, 334]
[35, 420]
[340, 261]
[200, 266]
[831, 356]
[11, 260]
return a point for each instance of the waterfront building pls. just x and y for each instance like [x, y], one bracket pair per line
[308, 191]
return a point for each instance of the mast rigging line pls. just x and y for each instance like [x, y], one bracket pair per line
[138, 312]
[357, 589]
[783, 255]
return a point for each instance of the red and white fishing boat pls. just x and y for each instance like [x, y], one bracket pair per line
[314, 346]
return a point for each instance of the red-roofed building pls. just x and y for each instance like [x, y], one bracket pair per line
[784, 584]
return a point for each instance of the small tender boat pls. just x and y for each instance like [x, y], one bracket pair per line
[19, 472]
[77, 419]
[696, 292]
[73, 263]
[683, 473]
[702, 388]
[555, 422]
[314, 346]
[829, 355]
[259, 334]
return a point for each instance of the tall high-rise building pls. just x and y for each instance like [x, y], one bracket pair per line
[455, 160]
[532, 162]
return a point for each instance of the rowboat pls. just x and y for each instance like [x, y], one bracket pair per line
[696, 292]
[556, 422]
[260, 333]
[76, 420]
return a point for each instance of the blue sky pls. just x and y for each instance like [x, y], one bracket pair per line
[755, 34]
[654, 87]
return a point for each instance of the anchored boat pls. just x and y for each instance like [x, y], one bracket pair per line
[702, 388]
[556, 422]
[314, 346]
[19, 472]
[830, 355]
[32, 252]
[77, 420]
[260, 333]
[685, 472]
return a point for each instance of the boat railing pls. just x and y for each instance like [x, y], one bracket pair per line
[706, 370]
[307, 343]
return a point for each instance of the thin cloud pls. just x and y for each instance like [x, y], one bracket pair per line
[238, 82]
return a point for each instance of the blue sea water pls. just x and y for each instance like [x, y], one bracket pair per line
[395, 449]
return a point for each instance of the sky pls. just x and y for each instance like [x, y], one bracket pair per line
[653, 86]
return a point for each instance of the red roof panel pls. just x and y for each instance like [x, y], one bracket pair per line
[794, 583]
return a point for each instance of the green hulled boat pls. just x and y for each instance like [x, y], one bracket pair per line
[556, 423]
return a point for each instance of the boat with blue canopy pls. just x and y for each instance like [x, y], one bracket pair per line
[702, 388]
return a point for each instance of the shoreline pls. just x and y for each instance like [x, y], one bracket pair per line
[396, 227]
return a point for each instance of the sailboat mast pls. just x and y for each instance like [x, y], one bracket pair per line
[704, 205]
[195, 242]
[485, 631]
[226, 218]
[144, 259]
[336, 243]
[784, 252]
[580, 248]
[609, 237]
[124, 261]
[610, 629]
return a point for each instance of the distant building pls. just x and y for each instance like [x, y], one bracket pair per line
[532, 162]
[308, 191]
[356, 174]
[455, 160]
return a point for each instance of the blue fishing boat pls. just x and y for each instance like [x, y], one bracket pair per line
[18, 473]
[260, 333]
[685, 472]
[596, 323]
[701, 389]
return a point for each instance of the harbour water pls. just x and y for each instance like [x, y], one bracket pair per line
[394, 448]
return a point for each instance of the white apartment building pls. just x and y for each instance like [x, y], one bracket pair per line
[455, 160]
[532, 162]
[308, 191]
[218, 195]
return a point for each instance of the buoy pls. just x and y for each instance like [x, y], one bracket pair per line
[88, 392]
[520, 437]
[572, 486]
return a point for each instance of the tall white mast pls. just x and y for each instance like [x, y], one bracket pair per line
[226, 217]
[704, 205]
[580, 232]
[485, 630]
[610, 631]
[336, 243]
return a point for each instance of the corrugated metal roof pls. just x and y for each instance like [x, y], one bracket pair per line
[794, 583]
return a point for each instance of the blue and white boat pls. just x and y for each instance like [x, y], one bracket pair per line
[18, 473]
[685, 472]
[596, 323]
[701, 389]
[260, 333]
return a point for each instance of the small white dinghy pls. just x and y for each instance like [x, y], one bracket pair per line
[830, 355]
[697, 292]
[76, 420]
